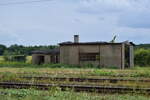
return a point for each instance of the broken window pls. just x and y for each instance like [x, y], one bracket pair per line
[89, 56]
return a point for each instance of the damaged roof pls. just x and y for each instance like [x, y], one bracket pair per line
[52, 51]
[95, 43]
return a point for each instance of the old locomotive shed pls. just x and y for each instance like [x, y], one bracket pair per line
[103, 54]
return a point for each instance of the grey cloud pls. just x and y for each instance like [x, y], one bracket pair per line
[111, 6]
[98, 8]
[93, 20]
[137, 35]
[135, 20]
[130, 13]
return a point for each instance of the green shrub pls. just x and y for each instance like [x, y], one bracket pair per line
[21, 58]
[142, 57]
[16, 64]
[89, 65]
[54, 94]
[102, 72]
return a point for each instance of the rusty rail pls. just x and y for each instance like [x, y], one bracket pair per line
[78, 88]
[111, 80]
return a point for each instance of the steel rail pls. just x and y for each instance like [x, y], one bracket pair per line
[111, 80]
[78, 88]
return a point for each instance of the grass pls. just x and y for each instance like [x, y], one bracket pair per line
[134, 72]
[57, 94]
[1, 58]
[28, 64]
[69, 70]
[135, 84]
[9, 77]
[11, 71]
[28, 59]
[14, 74]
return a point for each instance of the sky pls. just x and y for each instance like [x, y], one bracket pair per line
[48, 22]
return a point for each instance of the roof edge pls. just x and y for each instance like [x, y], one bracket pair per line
[95, 43]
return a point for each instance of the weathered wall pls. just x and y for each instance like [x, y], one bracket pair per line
[35, 58]
[89, 49]
[47, 59]
[111, 56]
[122, 56]
[69, 55]
[64, 54]
[131, 48]
[74, 55]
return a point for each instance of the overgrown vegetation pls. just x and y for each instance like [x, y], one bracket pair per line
[23, 78]
[62, 71]
[57, 94]
[11, 70]
[16, 64]
[142, 57]
[20, 58]
[142, 52]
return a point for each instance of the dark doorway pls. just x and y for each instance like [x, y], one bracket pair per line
[127, 56]
[41, 60]
[57, 59]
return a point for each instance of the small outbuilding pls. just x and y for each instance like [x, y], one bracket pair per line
[102, 54]
[45, 56]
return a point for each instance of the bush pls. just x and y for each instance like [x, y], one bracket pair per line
[142, 57]
[102, 73]
[20, 58]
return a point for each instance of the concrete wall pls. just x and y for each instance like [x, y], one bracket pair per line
[47, 59]
[69, 55]
[131, 53]
[110, 55]
[122, 56]
[89, 49]
[36, 60]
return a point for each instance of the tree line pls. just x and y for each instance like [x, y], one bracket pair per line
[26, 50]
[22, 50]
[142, 46]
[142, 52]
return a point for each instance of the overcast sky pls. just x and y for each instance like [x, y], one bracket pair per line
[54, 21]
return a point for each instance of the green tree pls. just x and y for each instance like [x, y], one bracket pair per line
[142, 57]
[2, 49]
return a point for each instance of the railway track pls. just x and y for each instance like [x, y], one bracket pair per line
[78, 88]
[111, 80]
